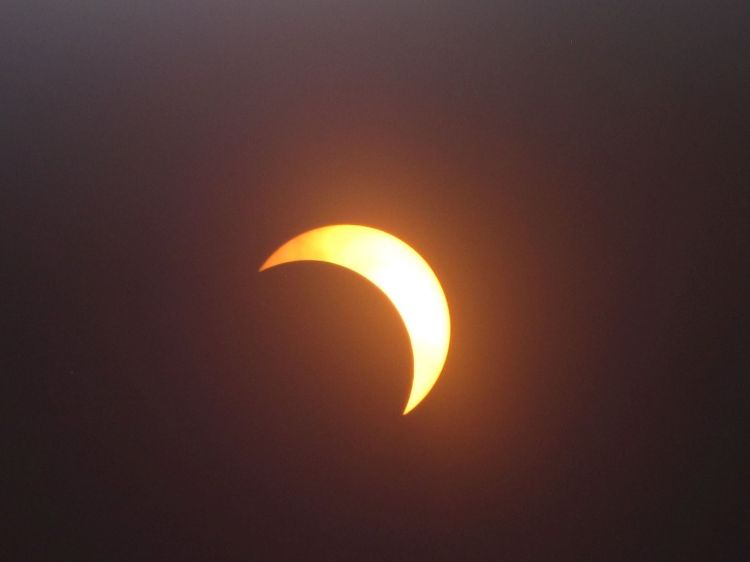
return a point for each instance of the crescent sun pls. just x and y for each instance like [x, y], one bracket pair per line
[397, 270]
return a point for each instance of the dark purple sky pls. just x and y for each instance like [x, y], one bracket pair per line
[576, 175]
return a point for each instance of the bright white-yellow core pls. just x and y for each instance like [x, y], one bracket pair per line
[397, 270]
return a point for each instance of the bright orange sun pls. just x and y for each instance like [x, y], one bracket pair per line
[397, 270]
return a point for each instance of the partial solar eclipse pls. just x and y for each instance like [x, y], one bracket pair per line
[397, 270]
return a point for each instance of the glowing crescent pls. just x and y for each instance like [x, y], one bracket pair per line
[397, 270]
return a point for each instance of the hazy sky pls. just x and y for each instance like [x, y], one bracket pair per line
[573, 172]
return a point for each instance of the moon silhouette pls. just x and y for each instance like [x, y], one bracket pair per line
[397, 270]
